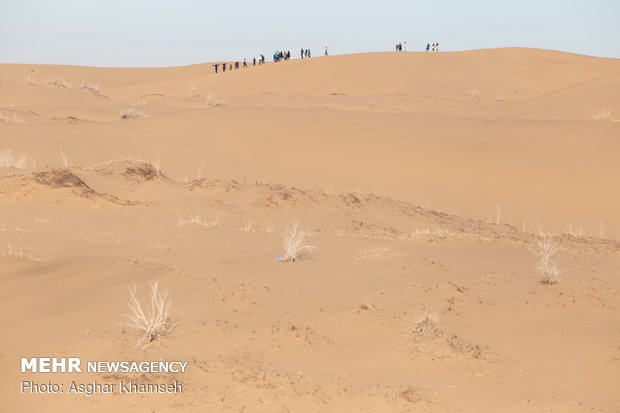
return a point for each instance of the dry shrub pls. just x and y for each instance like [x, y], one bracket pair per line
[145, 171]
[59, 82]
[473, 93]
[154, 322]
[546, 248]
[10, 160]
[603, 114]
[294, 243]
[11, 118]
[426, 327]
[131, 113]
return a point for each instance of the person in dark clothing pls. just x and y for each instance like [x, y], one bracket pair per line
[309, 55]
[302, 53]
[223, 67]
[326, 51]
[254, 62]
[428, 47]
[288, 55]
[245, 64]
[236, 65]
[216, 65]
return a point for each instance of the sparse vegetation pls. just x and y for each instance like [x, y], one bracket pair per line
[248, 225]
[603, 114]
[89, 87]
[195, 219]
[63, 159]
[59, 82]
[131, 113]
[426, 327]
[433, 234]
[377, 252]
[294, 243]
[546, 248]
[211, 101]
[473, 93]
[17, 253]
[11, 118]
[10, 160]
[155, 321]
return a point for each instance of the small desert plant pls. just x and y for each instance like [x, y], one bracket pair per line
[63, 159]
[17, 253]
[294, 243]
[12, 118]
[128, 114]
[89, 87]
[60, 82]
[602, 114]
[9, 160]
[433, 234]
[211, 101]
[473, 93]
[195, 219]
[546, 248]
[154, 322]
[193, 91]
[426, 327]
[248, 225]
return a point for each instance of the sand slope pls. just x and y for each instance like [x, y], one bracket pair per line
[423, 181]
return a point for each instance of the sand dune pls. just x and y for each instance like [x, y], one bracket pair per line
[424, 182]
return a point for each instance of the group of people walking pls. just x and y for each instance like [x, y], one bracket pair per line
[277, 56]
[434, 47]
[235, 65]
[281, 55]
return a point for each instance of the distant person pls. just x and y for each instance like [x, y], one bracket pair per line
[223, 67]
[428, 47]
[309, 54]
[405, 45]
[437, 46]
[254, 62]
[288, 55]
[245, 64]
[216, 65]
[262, 58]
[326, 51]
[236, 65]
[302, 53]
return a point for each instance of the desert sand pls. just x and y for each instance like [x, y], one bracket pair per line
[425, 182]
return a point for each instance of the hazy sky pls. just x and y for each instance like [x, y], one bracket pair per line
[179, 32]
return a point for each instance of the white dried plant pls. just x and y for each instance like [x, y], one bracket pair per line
[294, 243]
[153, 321]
